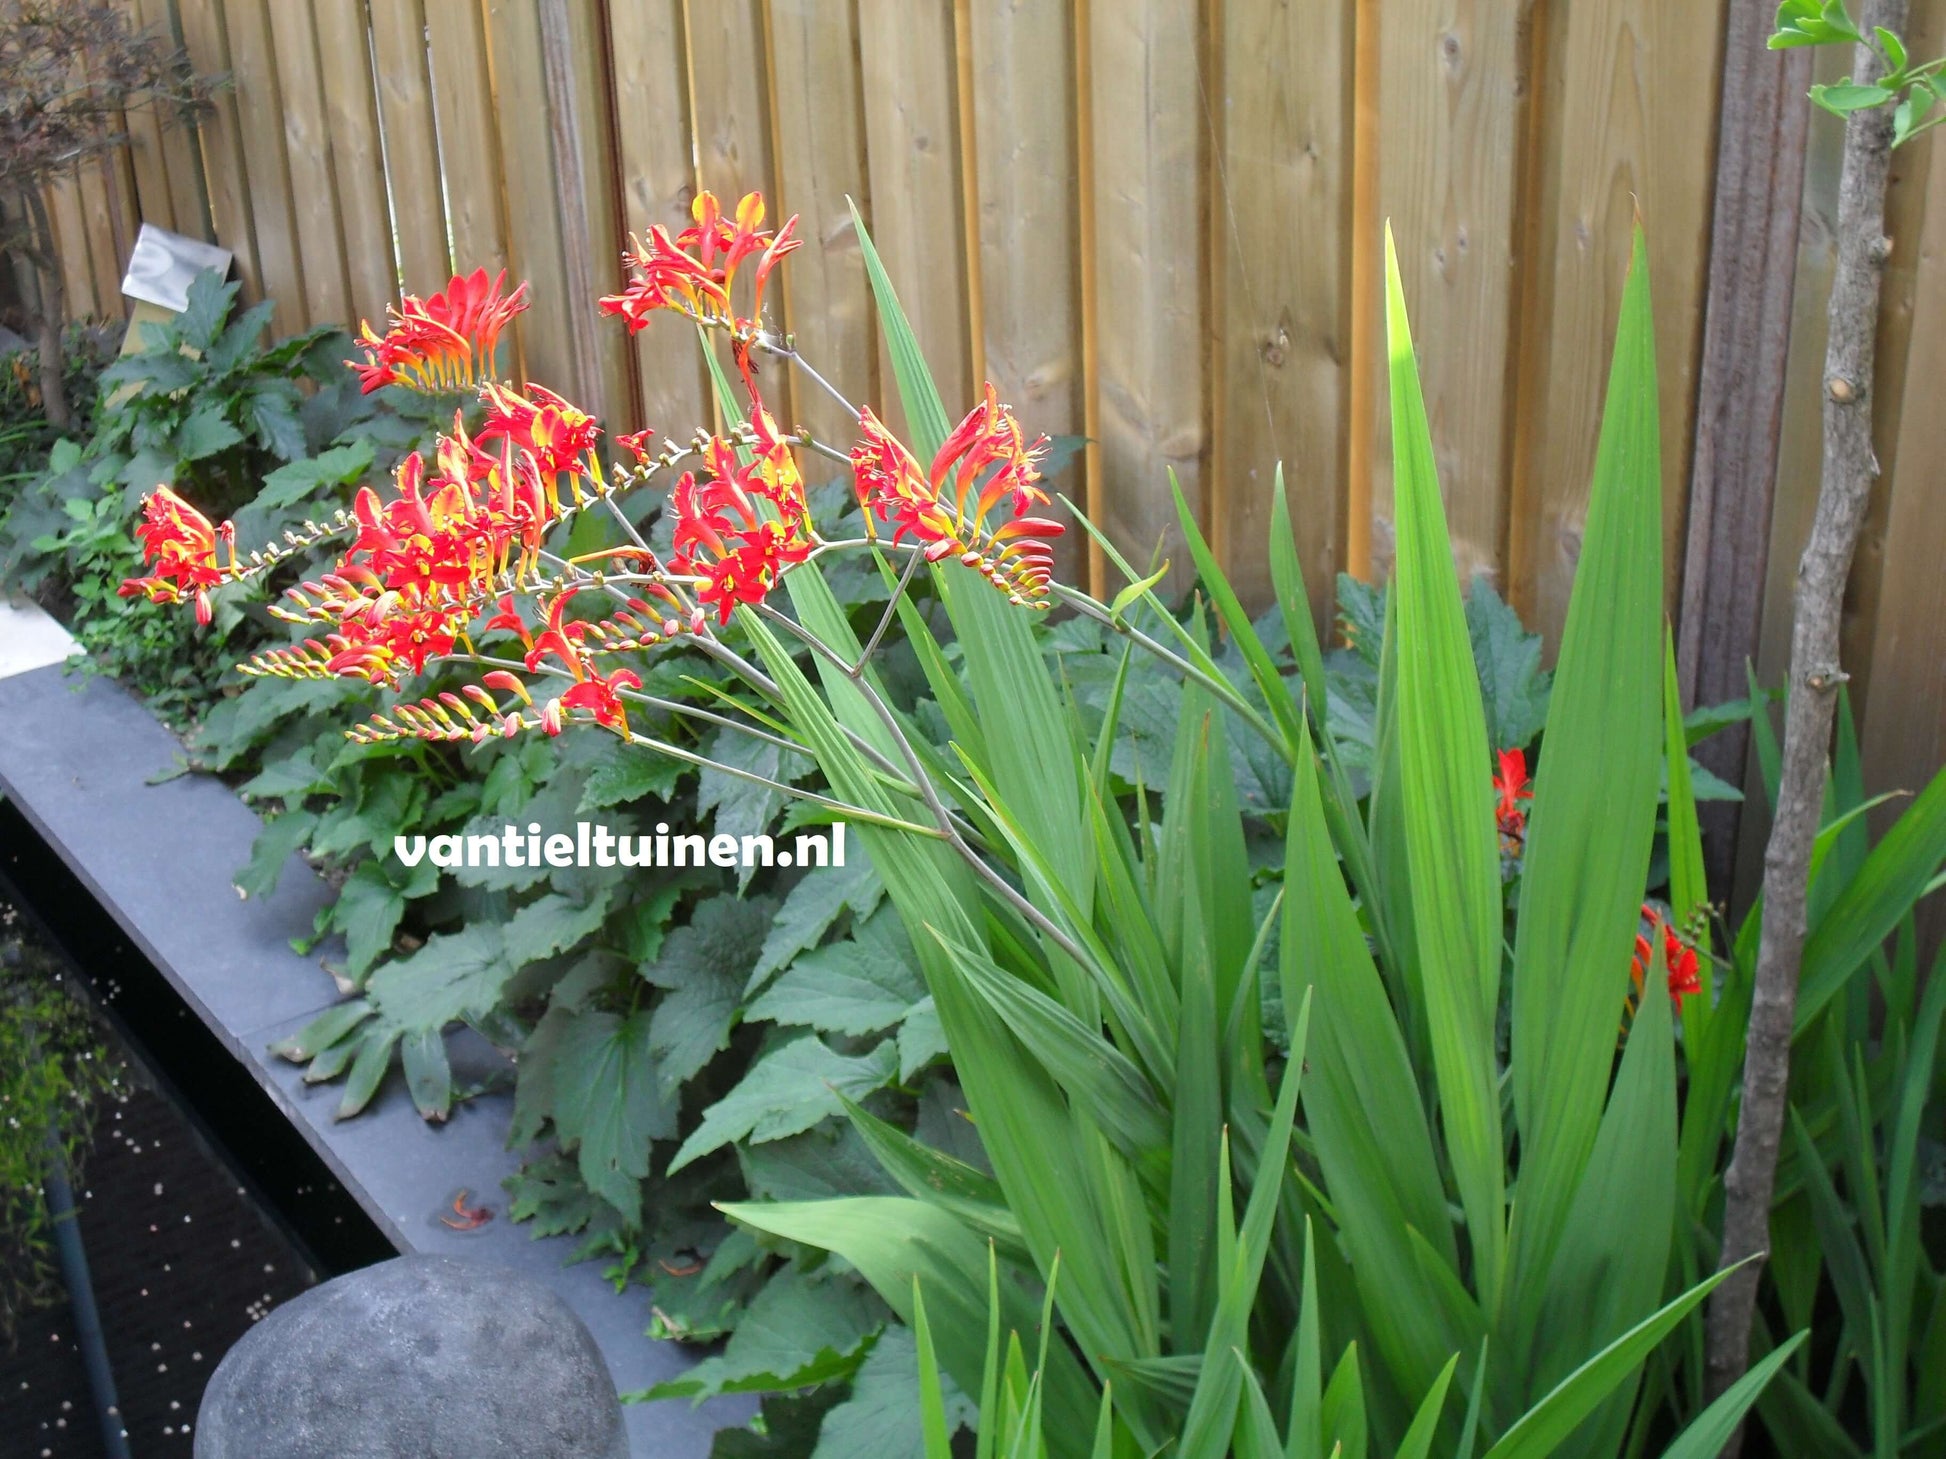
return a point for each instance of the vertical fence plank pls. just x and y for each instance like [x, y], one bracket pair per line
[469, 142]
[911, 86]
[1630, 117]
[728, 111]
[357, 158]
[411, 143]
[152, 198]
[105, 257]
[229, 193]
[1901, 348]
[181, 156]
[1452, 89]
[533, 216]
[84, 296]
[658, 181]
[1281, 362]
[595, 260]
[1023, 91]
[259, 98]
[143, 123]
[817, 121]
[307, 144]
[1905, 713]
[1150, 271]
[1759, 190]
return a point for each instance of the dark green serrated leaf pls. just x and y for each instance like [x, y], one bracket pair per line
[1513, 686]
[866, 983]
[813, 905]
[800, 1330]
[272, 850]
[455, 975]
[786, 1092]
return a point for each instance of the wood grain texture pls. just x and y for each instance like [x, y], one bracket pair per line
[64, 208]
[1452, 91]
[260, 113]
[469, 135]
[357, 157]
[531, 202]
[98, 181]
[1905, 709]
[728, 108]
[307, 144]
[405, 107]
[1281, 219]
[911, 84]
[818, 127]
[181, 155]
[208, 44]
[1022, 68]
[1901, 348]
[1630, 123]
[145, 146]
[1759, 188]
[180, 144]
[595, 261]
[1150, 262]
[658, 184]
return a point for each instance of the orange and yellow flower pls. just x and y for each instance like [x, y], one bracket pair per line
[724, 538]
[179, 543]
[973, 502]
[1678, 956]
[442, 343]
[694, 272]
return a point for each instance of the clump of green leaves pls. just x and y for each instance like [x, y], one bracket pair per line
[1915, 90]
[54, 1072]
[270, 433]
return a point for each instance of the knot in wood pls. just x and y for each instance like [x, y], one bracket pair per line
[1841, 390]
[1880, 251]
[1824, 681]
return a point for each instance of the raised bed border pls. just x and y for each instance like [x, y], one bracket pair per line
[85, 762]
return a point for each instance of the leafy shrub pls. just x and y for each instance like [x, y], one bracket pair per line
[54, 1072]
[269, 433]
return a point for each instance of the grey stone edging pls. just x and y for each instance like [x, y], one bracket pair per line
[77, 755]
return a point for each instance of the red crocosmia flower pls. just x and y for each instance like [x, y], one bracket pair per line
[603, 696]
[972, 504]
[724, 537]
[636, 443]
[556, 433]
[1678, 956]
[1511, 793]
[694, 272]
[562, 638]
[442, 343]
[180, 544]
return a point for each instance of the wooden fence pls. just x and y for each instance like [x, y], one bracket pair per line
[1155, 223]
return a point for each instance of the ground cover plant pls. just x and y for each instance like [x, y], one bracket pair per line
[1081, 915]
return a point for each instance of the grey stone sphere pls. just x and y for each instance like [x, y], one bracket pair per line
[422, 1357]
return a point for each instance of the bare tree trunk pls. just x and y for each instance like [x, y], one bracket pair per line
[53, 314]
[1850, 467]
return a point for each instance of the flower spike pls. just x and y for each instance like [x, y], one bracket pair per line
[443, 343]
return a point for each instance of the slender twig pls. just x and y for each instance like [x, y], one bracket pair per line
[1220, 687]
[770, 344]
[885, 618]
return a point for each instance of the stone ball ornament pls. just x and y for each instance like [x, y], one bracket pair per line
[422, 1357]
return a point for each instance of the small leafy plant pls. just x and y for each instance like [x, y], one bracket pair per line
[1915, 91]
